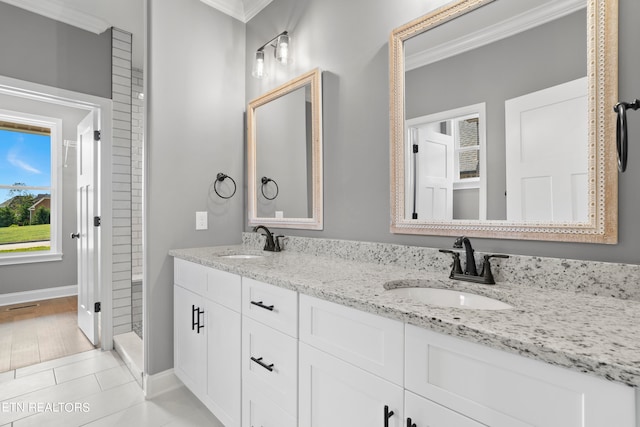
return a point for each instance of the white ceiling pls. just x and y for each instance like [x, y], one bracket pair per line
[128, 15]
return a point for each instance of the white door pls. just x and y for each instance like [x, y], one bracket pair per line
[547, 155]
[434, 169]
[87, 233]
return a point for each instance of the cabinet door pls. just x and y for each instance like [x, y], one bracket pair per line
[425, 413]
[258, 411]
[335, 393]
[190, 342]
[223, 363]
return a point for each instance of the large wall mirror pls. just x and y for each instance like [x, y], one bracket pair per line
[284, 153]
[502, 121]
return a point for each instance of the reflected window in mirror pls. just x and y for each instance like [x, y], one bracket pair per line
[284, 154]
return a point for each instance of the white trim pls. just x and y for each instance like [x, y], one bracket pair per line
[162, 382]
[59, 11]
[103, 107]
[38, 295]
[517, 24]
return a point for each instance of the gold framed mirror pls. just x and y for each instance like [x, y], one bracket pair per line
[284, 155]
[524, 110]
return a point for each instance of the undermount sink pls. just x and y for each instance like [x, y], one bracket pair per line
[449, 298]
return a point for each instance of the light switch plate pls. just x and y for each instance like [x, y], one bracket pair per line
[201, 221]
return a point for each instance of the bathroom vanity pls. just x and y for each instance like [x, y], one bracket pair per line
[312, 338]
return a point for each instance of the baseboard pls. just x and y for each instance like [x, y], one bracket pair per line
[159, 383]
[37, 295]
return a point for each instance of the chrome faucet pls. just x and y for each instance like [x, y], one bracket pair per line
[470, 260]
[271, 244]
[470, 273]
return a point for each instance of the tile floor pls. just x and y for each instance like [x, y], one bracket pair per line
[95, 389]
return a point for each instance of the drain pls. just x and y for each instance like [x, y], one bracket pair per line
[22, 307]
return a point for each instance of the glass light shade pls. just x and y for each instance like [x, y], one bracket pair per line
[258, 65]
[282, 49]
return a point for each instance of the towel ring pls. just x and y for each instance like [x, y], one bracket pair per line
[622, 135]
[265, 181]
[221, 177]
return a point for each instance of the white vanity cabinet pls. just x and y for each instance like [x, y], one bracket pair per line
[351, 367]
[207, 335]
[501, 389]
[269, 355]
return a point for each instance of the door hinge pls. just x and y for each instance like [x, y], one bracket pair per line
[415, 148]
[96, 221]
[96, 135]
[97, 307]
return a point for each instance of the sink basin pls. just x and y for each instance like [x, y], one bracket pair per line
[450, 298]
[241, 256]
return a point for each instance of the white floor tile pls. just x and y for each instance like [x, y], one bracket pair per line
[93, 408]
[55, 363]
[114, 377]
[104, 361]
[28, 384]
[7, 376]
[27, 404]
[175, 408]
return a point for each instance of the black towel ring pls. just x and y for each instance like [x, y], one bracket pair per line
[622, 136]
[221, 177]
[265, 181]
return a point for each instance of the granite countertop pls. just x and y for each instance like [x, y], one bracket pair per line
[592, 334]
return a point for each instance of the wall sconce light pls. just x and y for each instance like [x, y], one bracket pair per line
[281, 53]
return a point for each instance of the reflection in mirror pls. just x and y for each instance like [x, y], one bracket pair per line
[498, 120]
[285, 155]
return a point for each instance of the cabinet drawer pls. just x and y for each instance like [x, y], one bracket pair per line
[370, 342]
[506, 390]
[424, 412]
[259, 411]
[271, 305]
[224, 288]
[270, 363]
[190, 276]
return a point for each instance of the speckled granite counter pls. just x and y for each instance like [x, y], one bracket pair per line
[599, 335]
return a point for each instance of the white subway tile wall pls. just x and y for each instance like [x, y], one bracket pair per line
[121, 180]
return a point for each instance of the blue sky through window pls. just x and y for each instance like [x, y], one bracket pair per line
[24, 157]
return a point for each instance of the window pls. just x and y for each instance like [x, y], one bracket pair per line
[467, 148]
[30, 217]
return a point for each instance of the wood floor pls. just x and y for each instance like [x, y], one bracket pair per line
[38, 331]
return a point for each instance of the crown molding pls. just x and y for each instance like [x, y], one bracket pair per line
[60, 12]
[242, 10]
[507, 28]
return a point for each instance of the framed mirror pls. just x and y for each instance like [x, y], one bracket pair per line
[502, 121]
[284, 155]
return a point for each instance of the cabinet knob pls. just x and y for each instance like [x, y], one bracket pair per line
[410, 423]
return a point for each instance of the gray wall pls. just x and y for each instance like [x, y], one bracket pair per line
[195, 100]
[495, 73]
[349, 41]
[41, 50]
[29, 277]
